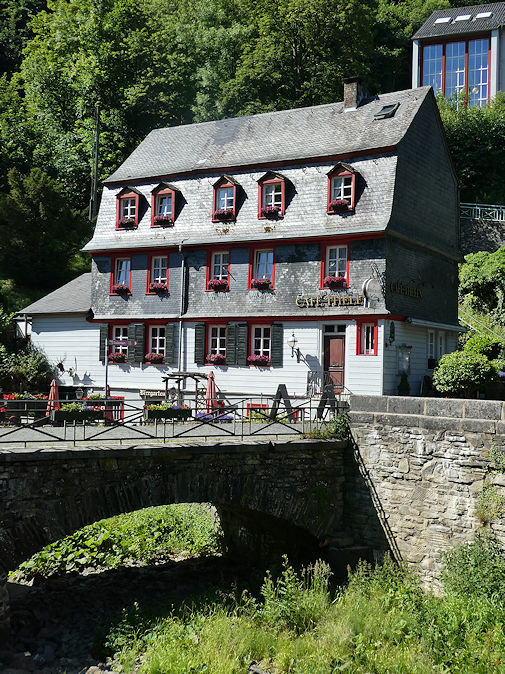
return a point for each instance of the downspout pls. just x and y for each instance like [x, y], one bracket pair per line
[183, 301]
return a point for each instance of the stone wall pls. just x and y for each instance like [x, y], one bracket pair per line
[479, 235]
[46, 494]
[419, 470]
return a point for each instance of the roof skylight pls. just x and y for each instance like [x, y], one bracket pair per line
[443, 19]
[484, 15]
[387, 111]
[463, 17]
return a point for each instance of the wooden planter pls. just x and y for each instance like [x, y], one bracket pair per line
[76, 415]
[178, 415]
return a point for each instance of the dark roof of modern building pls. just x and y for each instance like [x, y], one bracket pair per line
[73, 297]
[285, 136]
[494, 17]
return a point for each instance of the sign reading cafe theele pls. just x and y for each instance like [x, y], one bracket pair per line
[329, 300]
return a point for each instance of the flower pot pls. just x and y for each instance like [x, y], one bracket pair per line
[126, 223]
[117, 358]
[261, 284]
[259, 361]
[223, 214]
[218, 285]
[334, 282]
[154, 358]
[271, 212]
[163, 221]
[170, 413]
[120, 289]
[76, 415]
[339, 206]
[215, 359]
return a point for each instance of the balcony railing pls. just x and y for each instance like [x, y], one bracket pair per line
[493, 212]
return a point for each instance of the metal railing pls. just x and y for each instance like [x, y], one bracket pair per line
[121, 421]
[494, 212]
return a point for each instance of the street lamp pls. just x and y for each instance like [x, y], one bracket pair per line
[293, 342]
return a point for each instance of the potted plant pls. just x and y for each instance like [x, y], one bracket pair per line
[120, 289]
[334, 282]
[218, 284]
[216, 358]
[166, 411]
[256, 359]
[126, 222]
[223, 214]
[339, 205]
[261, 283]
[157, 287]
[117, 358]
[154, 358]
[77, 412]
[271, 211]
[163, 221]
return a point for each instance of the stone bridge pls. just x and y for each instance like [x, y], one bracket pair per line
[409, 480]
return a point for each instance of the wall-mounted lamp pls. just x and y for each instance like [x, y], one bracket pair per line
[79, 393]
[295, 351]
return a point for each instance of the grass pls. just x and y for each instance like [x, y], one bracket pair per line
[143, 537]
[381, 622]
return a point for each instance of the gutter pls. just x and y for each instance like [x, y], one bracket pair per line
[432, 324]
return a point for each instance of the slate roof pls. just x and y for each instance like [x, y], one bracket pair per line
[289, 135]
[431, 29]
[73, 297]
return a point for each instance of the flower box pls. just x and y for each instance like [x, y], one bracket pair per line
[163, 221]
[216, 358]
[176, 413]
[223, 214]
[258, 360]
[271, 212]
[120, 289]
[154, 358]
[117, 358]
[218, 284]
[339, 205]
[156, 287]
[127, 223]
[76, 415]
[261, 283]
[334, 282]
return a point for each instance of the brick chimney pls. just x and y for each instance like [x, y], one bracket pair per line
[353, 93]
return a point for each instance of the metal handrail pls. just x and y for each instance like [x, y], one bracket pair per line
[471, 318]
[494, 212]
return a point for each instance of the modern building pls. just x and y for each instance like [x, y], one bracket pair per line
[288, 247]
[461, 51]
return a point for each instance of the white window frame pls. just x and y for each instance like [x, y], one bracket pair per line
[441, 344]
[367, 332]
[217, 340]
[157, 339]
[169, 212]
[119, 272]
[341, 187]
[261, 340]
[219, 270]
[340, 260]
[257, 263]
[225, 198]
[128, 207]
[431, 345]
[119, 332]
[160, 275]
[271, 194]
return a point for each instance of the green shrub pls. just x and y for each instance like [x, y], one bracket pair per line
[337, 428]
[488, 346]
[476, 568]
[491, 504]
[463, 373]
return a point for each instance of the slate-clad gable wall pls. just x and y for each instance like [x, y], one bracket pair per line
[426, 194]
[297, 272]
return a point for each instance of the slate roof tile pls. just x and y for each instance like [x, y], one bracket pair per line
[432, 29]
[73, 297]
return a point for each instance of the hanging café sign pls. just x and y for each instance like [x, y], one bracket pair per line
[304, 301]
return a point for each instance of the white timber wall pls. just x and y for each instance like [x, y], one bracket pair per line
[363, 374]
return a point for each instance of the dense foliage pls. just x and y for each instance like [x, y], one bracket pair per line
[463, 373]
[381, 622]
[482, 283]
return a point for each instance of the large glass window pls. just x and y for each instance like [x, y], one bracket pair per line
[367, 339]
[264, 264]
[478, 72]
[432, 66]
[454, 68]
[261, 341]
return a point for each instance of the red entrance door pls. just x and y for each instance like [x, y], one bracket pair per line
[334, 359]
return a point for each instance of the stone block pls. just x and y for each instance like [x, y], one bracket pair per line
[397, 419]
[483, 409]
[439, 423]
[362, 403]
[442, 407]
[361, 417]
[500, 427]
[478, 426]
[405, 405]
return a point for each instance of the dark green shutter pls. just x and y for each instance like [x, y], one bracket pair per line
[242, 344]
[200, 343]
[136, 332]
[170, 341]
[231, 342]
[276, 345]
[104, 333]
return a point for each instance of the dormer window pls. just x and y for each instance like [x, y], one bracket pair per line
[341, 189]
[271, 196]
[163, 205]
[225, 199]
[127, 208]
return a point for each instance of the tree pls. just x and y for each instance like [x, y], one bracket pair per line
[39, 231]
[463, 373]
[482, 283]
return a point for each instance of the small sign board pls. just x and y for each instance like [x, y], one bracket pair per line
[122, 342]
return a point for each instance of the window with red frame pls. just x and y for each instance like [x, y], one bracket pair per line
[334, 267]
[216, 342]
[219, 270]
[121, 275]
[262, 272]
[127, 210]
[341, 192]
[458, 67]
[260, 341]
[225, 196]
[158, 274]
[119, 332]
[162, 209]
[367, 339]
[271, 197]
[157, 339]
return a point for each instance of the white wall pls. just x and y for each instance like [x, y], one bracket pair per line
[363, 374]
